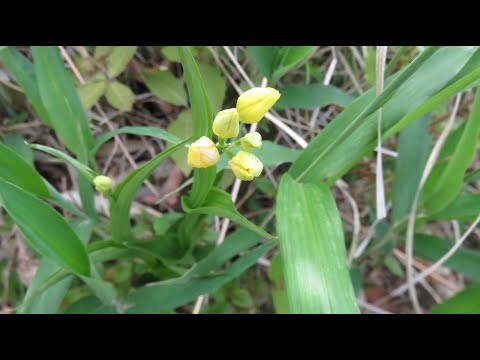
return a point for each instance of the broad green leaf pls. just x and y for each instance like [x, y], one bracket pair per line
[215, 85]
[270, 154]
[49, 301]
[464, 260]
[134, 130]
[313, 250]
[166, 296]
[125, 193]
[264, 57]
[441, 190]
[92, 90]
[118, 59]
[61, 99]
[18, 145]
[353, 132]
[311, 96]
[465, 207]
[465, 302]
[17, 171]
[23, 72]
[288, 57]
[45, 229]
[182, 127]
[413, 150]
[66, 112]
[219, 203]
[166, 86]
[120, 96]
[81, 168]
[202, 120]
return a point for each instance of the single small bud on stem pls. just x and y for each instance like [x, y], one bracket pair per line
[251, 141]
[103, 183]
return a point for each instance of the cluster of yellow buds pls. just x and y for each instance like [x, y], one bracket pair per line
[251, 107]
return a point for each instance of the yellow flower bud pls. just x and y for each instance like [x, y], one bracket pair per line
[246, 166]
[226, 124]
[253, 104]
[202, 153]
[103, 183]
[251, 141]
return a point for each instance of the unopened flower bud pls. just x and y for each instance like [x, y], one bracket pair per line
[246, 166]
[253, 104]
[226, 124]
[251, 141]
[103, 183]
[202, 153]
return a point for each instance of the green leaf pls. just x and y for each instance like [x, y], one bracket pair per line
[134, 130]
[464, 260]
[92, 90]
[18, 145]
[120, 96]
[118, 59]
[17, 171]
[289, 57]
[413, 150]
[264, 57]
[81, 168]
[219, 203]
[215, 85]
[61, 99]
[182, 128]
[125, 193]
[353, 133]
[465, 207]
[311, 96]
[465, 302]
[23, 72]
[166, 86]
[439, 191]
[166, 296]
[270, 154]
[313, 250]
[49, 301]
[45, 229]
[202, 120]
